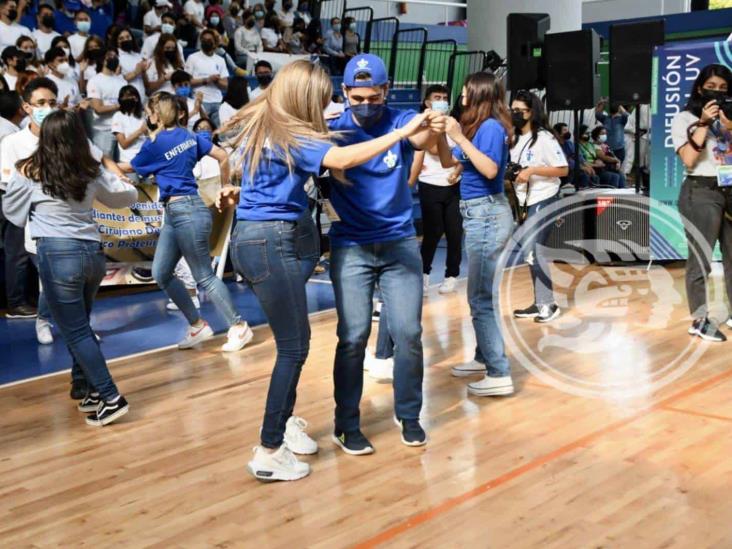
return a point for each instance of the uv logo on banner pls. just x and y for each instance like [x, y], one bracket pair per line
[597, 346]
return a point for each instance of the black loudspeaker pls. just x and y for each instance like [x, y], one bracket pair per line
[525, 46]
[622, 228]
[572, 81]
[631, 60]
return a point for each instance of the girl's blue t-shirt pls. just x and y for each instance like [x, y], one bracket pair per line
[171, 158]
[492, 140]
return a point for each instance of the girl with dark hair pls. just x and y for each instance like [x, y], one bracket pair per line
[537, 186]
[63, 43]
[128, 124]
[57, 186]
[91, 61]
[482, 149]
[612, 164]
[702, 137]
[166, 60]
[132, 66]
[237, 95]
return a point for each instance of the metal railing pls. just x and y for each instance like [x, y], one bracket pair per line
[434, 62]
[405, 68]
[463, 63]
[380, 37]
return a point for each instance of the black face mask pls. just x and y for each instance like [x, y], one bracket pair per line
[566, 136]
[249, 24]
[207, 46]
[128, 104]
[127, 45]
[112, 64]
[264, 79]
[171, 56]
[94, 54]
[518, 119]
[48, 21]
[13, 14]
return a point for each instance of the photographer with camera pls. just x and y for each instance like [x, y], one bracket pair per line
[702, 137]
[537, 160]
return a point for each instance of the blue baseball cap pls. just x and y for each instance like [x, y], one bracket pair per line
[365, 64]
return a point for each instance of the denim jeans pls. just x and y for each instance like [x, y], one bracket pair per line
[17, 265]
[71, 271]
[355, 270]
[533, 250]
[185, 233]
[384, 343]
[488, 223]
[43, 312]
[276, 258]
[212, 111]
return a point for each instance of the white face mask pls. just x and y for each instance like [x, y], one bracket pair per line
[63, 68]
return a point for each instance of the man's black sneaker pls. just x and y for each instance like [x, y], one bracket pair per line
[90, 403]
[79, 389]
[354, 443]
[108, 411]
[529, 312]
[706, 330]
[547, 313]
[22, 311]
[412, 432]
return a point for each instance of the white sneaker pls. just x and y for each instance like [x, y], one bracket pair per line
[729, 322]
[239, 335]
[492, 386]
[173, 307]
[297, 439]
[470, 369]
[448, 285]
[43, 332]
[196, 336]
[378, 368]
[280, 465]
[425, 283]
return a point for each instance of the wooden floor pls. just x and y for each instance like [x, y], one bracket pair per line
[544, 468]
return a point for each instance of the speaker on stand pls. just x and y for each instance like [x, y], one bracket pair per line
[525, 36]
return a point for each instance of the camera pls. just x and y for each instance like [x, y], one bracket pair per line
[514, 168]
[725, 105]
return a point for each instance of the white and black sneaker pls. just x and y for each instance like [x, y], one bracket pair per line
[529, 312]
[108, 411]
[90, 403]
[707, 330]
[354, 443]
[412, 432]
[547, 313]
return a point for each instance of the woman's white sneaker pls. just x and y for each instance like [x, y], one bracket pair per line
[425, 283]
[470, 369]
[297, 439]
[239, 335]
[279, 465]
[378, 368]
[43, 332]
[492, 386]
[171, 306]
[196, 336]
[448, 285]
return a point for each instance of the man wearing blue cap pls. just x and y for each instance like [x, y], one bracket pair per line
[374, 241]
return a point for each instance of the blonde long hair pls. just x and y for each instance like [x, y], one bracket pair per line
[289, 110]
[165, 106]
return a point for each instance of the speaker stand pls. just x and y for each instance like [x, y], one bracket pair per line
[637, 148]
[577, 167]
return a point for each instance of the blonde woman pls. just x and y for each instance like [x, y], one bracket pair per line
[170, 154]
[283, 142]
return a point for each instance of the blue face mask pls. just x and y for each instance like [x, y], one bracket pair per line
[368, 114]
[83, 26]
[603, 138]
[441, 106]
[183, 91]
[204, 133]
[40, 114]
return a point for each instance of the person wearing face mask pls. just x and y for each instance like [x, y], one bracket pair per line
[103, 92]
[210, 75]
[603, 153]
[181, 82]
[536, 149]
[271, 35]
[15, 63]
[247, 39]
[166, 60]
[27, 47]
[132, 66]
[295, 38]
[333, 46]
[45, 34]
[439, 200]
[153, 19]
[10, 31]
[77, 41]
[236, 97]
[303, 12]
[287, 14]
[150, 43]
[194, 12]
[351, 39]
[128, 123]
[702, 137]
[482, 140]
[233, 20]
[60, 72]
[586, 175]
[615, 123]
[373, 242]
[63, 43]
[588, 152]
[264, 74]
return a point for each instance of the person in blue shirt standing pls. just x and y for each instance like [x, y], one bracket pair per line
[374, 242]
[615, 123]
[170, 154]
[483, 150]
[284, 142]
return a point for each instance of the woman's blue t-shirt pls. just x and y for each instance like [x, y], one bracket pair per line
[171, 158]
[492, 140]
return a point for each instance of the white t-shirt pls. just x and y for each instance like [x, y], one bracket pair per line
[226, 111]
[148, 46]
[194, 8]
[152, 76]
[67, 87]
[6, 128]
[105, 87]
[432, 171]
[287, 18]
[270, 38]
[192, 118]
[706, 165]
[152, 19]
[9, 34]
[77, 43]
[128, 62]
[207, 168]
[200, 65]
[126, 124]
[43, 41]
[546, 152]
[247, 40]
[11, 80]
[254, 93]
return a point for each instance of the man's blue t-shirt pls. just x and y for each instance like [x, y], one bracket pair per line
[171, 158]
[275, 193]
[615, 126]
[492, 140]
[375, 205]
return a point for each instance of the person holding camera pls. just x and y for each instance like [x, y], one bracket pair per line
[542, 163]
[702, 137]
